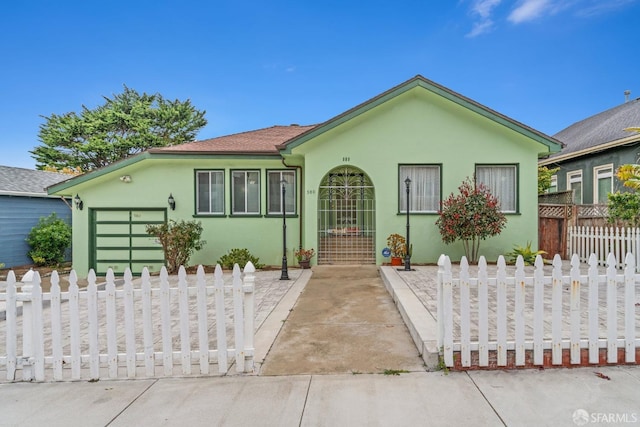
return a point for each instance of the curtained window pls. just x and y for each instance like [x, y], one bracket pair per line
[424, 190]
[502, 181]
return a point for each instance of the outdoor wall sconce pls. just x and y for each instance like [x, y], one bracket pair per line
[78, 201]
[172, 202]
[125, 178]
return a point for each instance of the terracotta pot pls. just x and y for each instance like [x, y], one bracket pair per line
[305, 263]
[396, 260]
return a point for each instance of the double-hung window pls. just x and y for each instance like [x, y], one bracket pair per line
[245, 192]
[603, 185]
[275, 180]
[424, 188]
[210, 192]
[553, 187]
[502, 182]
[574, 182]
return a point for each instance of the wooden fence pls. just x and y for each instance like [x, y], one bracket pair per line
[554, 221]
[601, 241]
[112, 331]
[535, 319]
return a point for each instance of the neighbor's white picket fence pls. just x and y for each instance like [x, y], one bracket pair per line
[602, 241]
[538, 312]
[123, 331]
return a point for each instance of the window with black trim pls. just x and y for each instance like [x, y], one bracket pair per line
[502, 181]
[245, 192]
[210, 192]
[424, 189]
[274, 194]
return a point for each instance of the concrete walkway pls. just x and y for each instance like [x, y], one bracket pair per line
[344, 322]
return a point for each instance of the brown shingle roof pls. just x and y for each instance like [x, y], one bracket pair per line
[261, 141]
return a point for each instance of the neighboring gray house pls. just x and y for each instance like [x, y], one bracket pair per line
[594, 149]
[23, 201]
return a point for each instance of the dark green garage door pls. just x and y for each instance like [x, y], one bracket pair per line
[119, 240]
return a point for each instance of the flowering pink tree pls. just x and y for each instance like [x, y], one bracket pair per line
[471, 216]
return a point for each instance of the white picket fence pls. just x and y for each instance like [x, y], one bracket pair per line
[538, 313]
[115, 331]
[601, 241]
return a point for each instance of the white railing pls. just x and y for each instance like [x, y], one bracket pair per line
[531, 315]
[118, 330]
[601, 241]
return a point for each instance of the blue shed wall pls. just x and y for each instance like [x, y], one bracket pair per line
[18, 215]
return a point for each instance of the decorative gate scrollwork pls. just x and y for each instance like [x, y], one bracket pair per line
[346, 218]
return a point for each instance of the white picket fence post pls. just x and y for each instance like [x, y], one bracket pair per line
[11, 326]
[556, 295]
[249, 315]
[119, 329]
[602, 241]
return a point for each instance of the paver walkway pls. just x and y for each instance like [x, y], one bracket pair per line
[344, 322]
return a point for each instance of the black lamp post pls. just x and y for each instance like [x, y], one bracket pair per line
[284, 275]
[407, 255]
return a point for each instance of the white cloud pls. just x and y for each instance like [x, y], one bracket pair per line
[480, 28]
[486, 17]
[482, 9]
[600, 7]
[528, 10]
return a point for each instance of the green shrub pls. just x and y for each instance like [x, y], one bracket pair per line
[471, 216]
[179, 241]
[49, 240]
[528, 255]
[240, 257]
[624, 208]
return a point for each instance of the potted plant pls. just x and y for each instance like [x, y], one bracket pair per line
[398, 247]
[304, 257]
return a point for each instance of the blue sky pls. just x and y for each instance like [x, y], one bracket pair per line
[254, 64]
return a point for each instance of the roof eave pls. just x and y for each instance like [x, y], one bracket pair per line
[27, 194]
[61, 186]
[214, 152]
[597, 148]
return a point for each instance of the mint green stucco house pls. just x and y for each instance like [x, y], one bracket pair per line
[344, 191]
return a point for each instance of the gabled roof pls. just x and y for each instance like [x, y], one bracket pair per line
[552, 144]
[27, 182]
[253, 142]
[279, 140]
[601, 131]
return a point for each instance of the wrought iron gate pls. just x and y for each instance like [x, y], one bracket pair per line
[346, 218]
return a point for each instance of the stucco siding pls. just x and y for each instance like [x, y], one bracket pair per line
[424, 128]
[151, 183]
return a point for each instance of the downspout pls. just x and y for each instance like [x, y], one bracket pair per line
[300, 194]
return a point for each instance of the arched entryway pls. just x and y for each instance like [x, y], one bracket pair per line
[346, 218]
